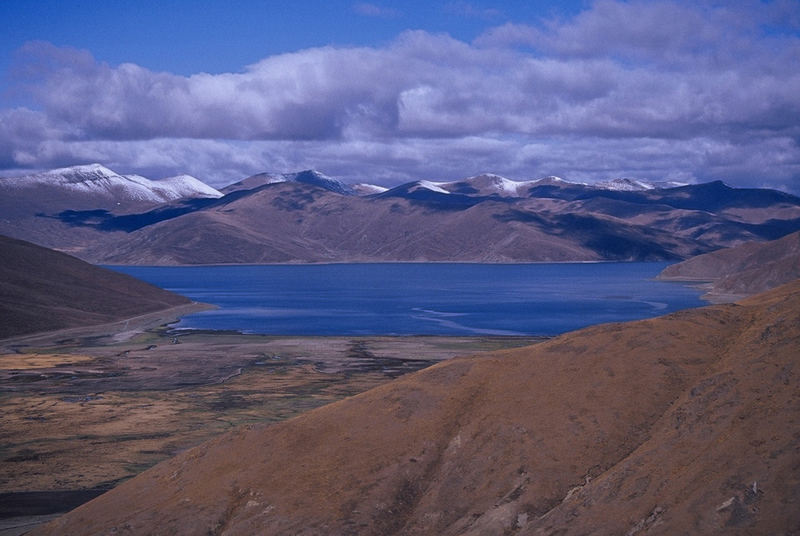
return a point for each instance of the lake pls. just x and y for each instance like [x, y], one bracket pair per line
[420, 299]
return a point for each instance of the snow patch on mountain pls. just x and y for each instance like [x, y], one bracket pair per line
[636, 185]
[416, 190]
[487, 184]
[432, 186]
[186, 186]
[552, 180]
[625, 185]
[670, 184]
[368, 189]
[253, 181]
[314, 177]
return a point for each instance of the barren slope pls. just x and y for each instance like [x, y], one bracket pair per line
[42, 290]
[743, 270]
[686, 424]
[291, 222]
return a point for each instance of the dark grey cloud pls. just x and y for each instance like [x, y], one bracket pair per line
[651, 89]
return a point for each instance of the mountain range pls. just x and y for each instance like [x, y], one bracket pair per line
[104, 217]
[96, 186]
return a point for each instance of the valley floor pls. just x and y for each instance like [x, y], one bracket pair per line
[83, 410]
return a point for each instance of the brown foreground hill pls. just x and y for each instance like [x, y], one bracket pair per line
[742, 270]
[43, 290]
[685, 424]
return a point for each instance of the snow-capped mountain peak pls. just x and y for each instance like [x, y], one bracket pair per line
[67, 175]
[308, 176]
[485, 184]
[315, 178]
[98, 181]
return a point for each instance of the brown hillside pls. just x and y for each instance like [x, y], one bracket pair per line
[743, 270]
[43, 290]
[297, 223]
[685, 424]
[291, 223]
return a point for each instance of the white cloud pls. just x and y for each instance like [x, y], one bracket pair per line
[636, 88]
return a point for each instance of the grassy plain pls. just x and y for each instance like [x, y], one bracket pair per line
[86, 410]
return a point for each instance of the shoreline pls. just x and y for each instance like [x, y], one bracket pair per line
[132, 325]
[708, 286]
[328, 263]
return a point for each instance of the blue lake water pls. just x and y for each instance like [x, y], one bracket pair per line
[420, 299]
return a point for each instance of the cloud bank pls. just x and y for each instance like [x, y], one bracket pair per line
[654, 90]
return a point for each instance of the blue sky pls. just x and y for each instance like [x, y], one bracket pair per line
[187, 37]
[386, 92]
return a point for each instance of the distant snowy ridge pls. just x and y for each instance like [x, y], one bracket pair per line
[636, 185]
[308, 176]
[483, 185]
[488, 184]
[98, 180]
[625, 185]
[491, 184]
